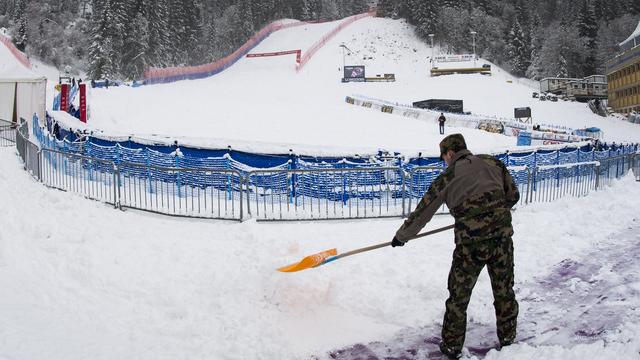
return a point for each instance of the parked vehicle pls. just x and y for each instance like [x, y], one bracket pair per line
[534, 95]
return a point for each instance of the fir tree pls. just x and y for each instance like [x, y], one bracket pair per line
[160, 52]
[588, 29]
[535, 69]
[519, 57]
[389, 8]
[102, 55]
[21, 38]
[424, 15]
[136, 45]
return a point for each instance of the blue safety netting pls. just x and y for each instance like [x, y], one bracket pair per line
[420, 179]
[225, 169]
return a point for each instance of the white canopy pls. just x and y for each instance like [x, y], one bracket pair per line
[22, 91]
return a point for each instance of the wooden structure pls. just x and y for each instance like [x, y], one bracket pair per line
[484, 70]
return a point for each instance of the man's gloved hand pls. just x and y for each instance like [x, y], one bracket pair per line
[395, 242]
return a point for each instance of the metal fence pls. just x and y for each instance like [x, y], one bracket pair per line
[551, 182]
[616, 167]
[28, 151]
[635, 166]
[285, 194]
[204, 193]
[7, 133]
[332, 193]
[90, 177]
[420, 178]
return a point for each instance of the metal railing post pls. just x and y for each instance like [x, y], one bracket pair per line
[404, 210]
[116, 187]
[248, 186]
[529, 178]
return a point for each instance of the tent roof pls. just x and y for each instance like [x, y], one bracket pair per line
[11, 70]
[633, 35]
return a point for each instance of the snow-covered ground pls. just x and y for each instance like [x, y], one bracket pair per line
[81, 280]
[262, 104]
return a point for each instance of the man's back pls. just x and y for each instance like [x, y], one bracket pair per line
[480, 194]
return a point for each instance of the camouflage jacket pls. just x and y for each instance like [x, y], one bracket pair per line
[479, 192]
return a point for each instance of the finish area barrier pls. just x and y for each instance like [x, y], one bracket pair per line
[298, 54]
[214, 190]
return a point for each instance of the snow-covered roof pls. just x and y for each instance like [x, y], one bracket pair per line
[632, 36]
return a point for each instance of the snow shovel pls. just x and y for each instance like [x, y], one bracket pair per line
[328, 256]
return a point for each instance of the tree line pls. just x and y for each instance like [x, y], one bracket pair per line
[536, 39]
[121, 38]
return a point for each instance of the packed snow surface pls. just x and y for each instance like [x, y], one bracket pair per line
[81, 280]
[263, 104]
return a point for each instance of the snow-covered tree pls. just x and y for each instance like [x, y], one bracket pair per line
[160, 50]
[535, 69]
[102, 52]
[20, 39]
[588, 29]
[518, 52]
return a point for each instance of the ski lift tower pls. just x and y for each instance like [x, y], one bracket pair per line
[432, 50]
[473, 35]
[344, 47]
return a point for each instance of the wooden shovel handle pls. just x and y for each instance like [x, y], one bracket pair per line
[373, 247]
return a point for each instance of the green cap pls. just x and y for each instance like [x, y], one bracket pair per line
[453, 142]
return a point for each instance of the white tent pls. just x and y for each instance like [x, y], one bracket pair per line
[22, 91]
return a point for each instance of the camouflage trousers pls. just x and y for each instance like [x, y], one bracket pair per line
[468, 261]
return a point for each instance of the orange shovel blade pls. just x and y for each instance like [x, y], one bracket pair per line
[309, 261]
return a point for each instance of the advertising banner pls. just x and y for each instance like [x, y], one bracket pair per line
[64, 97]
[353, 73]
[83, 103]
[454, 58]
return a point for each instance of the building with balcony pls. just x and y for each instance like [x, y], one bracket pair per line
[623, 75]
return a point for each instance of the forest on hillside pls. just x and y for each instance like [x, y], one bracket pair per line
[536, 39]
[121, 38]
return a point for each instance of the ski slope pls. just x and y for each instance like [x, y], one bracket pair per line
[264, 105]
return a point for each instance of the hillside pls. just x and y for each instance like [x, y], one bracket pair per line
[264, 105]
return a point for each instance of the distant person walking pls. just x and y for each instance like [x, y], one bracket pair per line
[441, 121]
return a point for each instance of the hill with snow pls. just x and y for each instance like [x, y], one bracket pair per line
[81, 280]
[263, 104]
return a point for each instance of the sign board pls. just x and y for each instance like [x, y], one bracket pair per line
[523, 112]
[524, 138]
[353, 73]
[83, 103]
[64, 97]
[454, 58]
